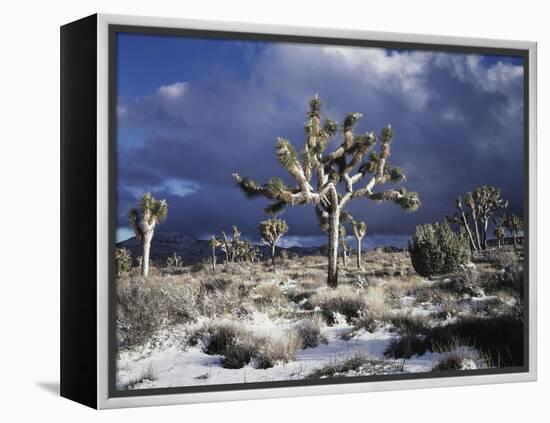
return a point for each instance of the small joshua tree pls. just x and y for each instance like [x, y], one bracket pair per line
[271, 231]
[499, 233]
[514, 224]
[236, 249]
[144, 221]
[359, 231]
[336, 173]
[484, 203]
[123, 261]
[174, 261]
[229, 245]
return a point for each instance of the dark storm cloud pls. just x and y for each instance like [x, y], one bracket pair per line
[457, 125]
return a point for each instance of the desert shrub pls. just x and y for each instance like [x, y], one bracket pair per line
[366, 320]
[406, 346]
[467, 282]
[500, 338]
[240, 346]
[238, 354]
[201, 266]
[222, 336]
[436, 249]
[375, 311]
[497, 257]
[270, 351]
[343, 301]
[217, 284]
[450, 306]
[510, 277]
[309, 332]
[410, 324]
[144, 306]
[141, 312]
[123, 261]
[459, 356]
[267, 294]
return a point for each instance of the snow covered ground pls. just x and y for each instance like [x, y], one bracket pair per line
[171, 363]
[383, 317]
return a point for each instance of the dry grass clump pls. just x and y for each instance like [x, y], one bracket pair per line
[466, 282]
[268, 294]
[344, 301]
[144, 307]
[459, 356]
[272, 351]
[147, 374]
[240, 346]
[359, 364]
[310, 332]
[375, 312]
[509, 278]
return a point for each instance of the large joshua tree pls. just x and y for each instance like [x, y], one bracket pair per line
[143, 221]
[271, 231]
[483, 204]
[359, 231]
[337, 174]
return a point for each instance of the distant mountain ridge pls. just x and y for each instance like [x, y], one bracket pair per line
[191, 249]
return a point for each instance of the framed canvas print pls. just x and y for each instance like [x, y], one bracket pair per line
[254, 211]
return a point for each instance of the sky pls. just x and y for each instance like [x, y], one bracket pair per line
[192, 111]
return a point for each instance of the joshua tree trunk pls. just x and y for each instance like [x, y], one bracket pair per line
[147, 237]
[359, 253]
[213, 258]
[469, 232]
[484, 234]
[334, 226]
[478, 239]
[273, 254]
[227, 248]
[344, 253]
[514, 238]
[499, 243]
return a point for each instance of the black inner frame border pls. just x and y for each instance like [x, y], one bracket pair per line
[114, 29]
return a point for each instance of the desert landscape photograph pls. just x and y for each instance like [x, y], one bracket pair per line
[296, 212]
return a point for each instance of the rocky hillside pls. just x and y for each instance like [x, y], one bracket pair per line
[191, 249]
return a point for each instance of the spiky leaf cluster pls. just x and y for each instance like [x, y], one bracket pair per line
[499, 232]
[359, 229]
[151, 212]
[333, 169]
[286, 154]
[513, 223]
[272, 230]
